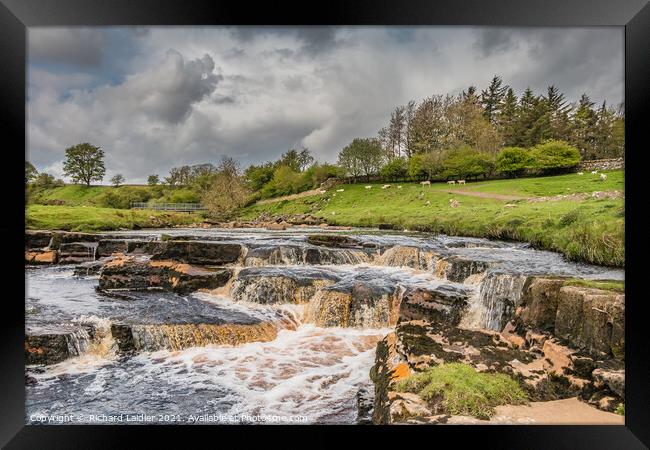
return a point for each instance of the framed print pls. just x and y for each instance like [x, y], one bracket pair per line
[335, 222]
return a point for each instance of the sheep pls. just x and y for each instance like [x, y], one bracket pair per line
[451, 182]
[461, 181]
[368, 187]
[399, 187]
[581, 173]
[340, 190]
[594, 172]
[603, 177]
[425, 183]
[385, 186]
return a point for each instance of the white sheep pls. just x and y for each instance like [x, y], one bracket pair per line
[451, 182]
[461, 181]
[425, 183]
[385, 186]
[368, 187]
[603, 177]
[594, 172]
[580, 173]
[399, 187]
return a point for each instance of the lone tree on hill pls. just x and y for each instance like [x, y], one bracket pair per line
[84, 163]
[117, 180]
[153, 180]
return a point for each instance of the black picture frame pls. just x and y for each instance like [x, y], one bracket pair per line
[17, 15]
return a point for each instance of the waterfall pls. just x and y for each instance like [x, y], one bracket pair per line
[181, 336]
[404, 256]
[495, 302]
[294, 255]
[93, 337]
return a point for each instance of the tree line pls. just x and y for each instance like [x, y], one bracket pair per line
[468, 135]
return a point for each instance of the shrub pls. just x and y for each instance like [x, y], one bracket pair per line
[285, 181]
[318, 173]
[513, 161]
[465, 162]
[395, 169]
[121, 198]
[569, 218]
[554, 156]
[424, 166]
[461, 390]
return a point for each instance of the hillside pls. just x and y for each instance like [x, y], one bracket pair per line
[80, 195]
[557, 213]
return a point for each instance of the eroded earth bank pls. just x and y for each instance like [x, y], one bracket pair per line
[315, 325]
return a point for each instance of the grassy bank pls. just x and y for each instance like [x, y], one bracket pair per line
[88, 218]
[588, 229]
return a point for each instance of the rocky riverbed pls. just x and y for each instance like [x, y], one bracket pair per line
[304, 324]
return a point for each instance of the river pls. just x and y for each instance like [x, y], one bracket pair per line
[306, 370]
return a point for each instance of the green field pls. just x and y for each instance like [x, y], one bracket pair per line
[89, 218]
[78, 195]
[590, 230]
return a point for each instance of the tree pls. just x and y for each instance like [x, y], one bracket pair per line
[117, 180]
[84, 163]
[584, 124]
[507, 118]
[362, 157]
[467, 126]
[153, 180]
[228, 191]
[429, 125]
[30, 172]
[304, 159]
[492, 99]
[296, 160]
[45, 180]
[513, 161]
[395, 169]
[258, 176]
[554, 156]
[396, 132]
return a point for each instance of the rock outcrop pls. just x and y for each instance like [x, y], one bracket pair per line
[199, 252]
[131, 273]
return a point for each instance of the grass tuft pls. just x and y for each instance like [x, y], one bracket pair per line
[461, 390]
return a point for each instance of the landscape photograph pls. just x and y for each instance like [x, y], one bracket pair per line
[359, 225]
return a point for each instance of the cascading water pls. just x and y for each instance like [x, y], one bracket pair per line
[495, 301]
[292, 334]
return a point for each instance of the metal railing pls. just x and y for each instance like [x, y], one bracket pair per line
[187, 207]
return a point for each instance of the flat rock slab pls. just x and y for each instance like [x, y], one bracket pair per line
[200, 252]
[569, 411]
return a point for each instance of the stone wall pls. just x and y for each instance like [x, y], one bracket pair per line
[601, 164]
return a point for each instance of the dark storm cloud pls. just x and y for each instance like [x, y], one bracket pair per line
[74, 46]
[314, 39]
[574, 60]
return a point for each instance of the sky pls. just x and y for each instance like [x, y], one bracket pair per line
[158, 97]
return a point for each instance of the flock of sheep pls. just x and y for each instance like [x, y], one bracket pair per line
[603, 177]
[423, 183]
[595, 172]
